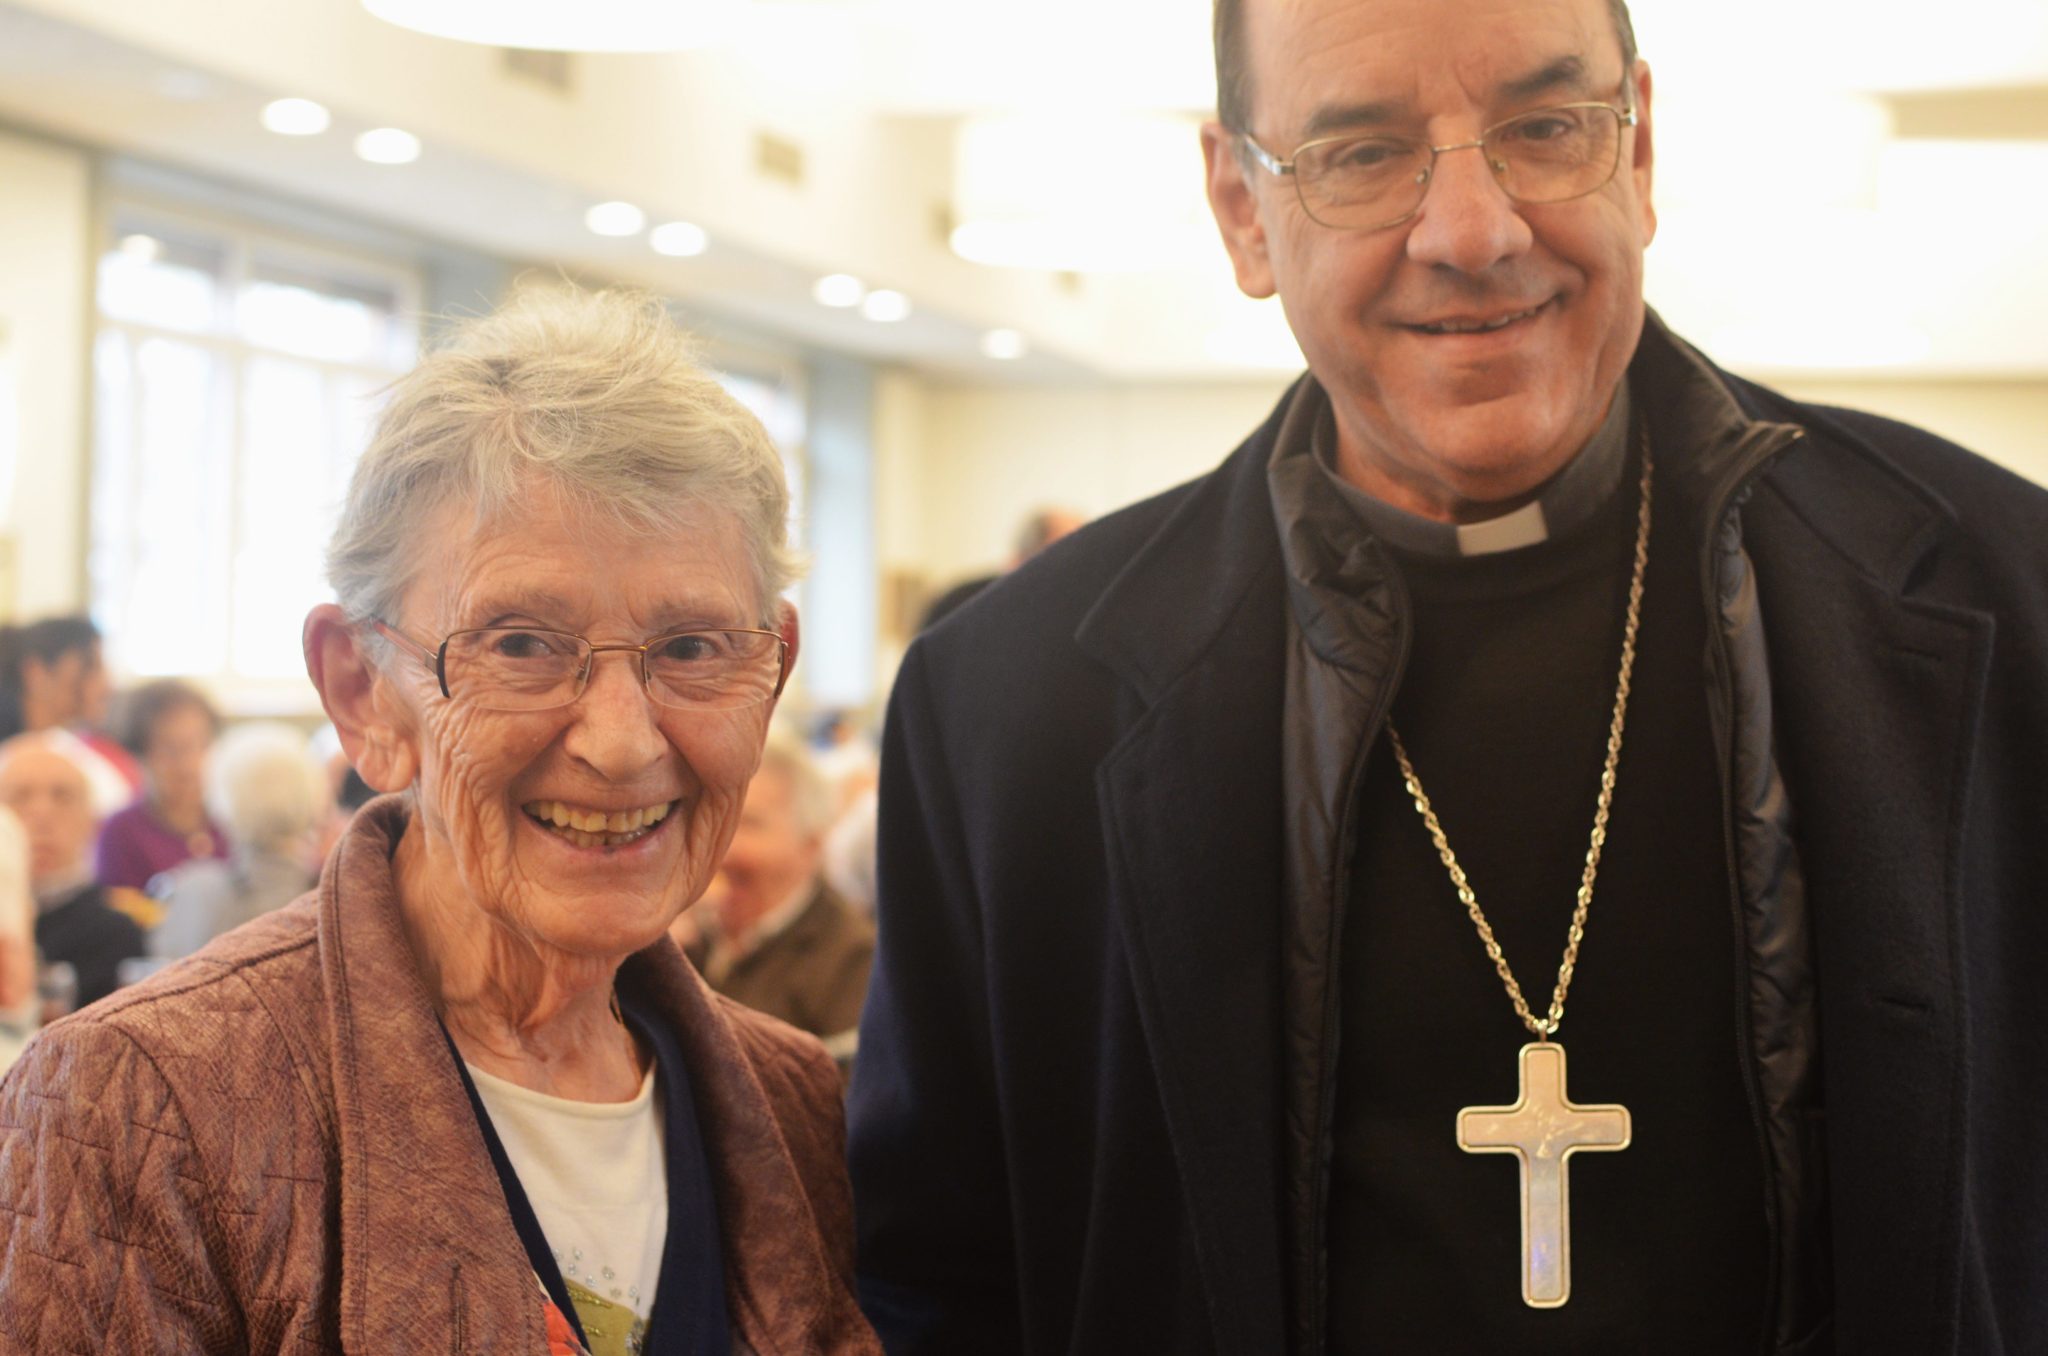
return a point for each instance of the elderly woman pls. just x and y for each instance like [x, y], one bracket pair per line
[466, 1096]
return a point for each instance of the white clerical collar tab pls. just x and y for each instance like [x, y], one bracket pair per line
[1526, 526]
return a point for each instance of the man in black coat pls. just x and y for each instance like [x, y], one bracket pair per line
[1525, 681]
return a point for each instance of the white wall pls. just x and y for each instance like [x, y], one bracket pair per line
[46, 235]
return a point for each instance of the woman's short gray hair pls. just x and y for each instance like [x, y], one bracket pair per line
[594, 394]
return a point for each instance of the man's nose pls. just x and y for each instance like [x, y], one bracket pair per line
[1467, 221]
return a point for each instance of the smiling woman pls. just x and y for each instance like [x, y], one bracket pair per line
[493, 1104]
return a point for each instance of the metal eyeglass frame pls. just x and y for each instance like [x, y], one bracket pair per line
[1273, 164]
[437, 659]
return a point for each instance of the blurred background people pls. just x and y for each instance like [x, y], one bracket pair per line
[1038, 531]
[42, 783]
[168, 726]
[54, 677]
[266, 789]
[18, 1015]
[784, 942]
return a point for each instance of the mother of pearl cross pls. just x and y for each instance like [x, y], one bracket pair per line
[1544, 1130]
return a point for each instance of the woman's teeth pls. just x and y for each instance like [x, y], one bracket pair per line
[598, 828]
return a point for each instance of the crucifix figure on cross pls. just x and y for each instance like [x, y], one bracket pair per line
[1543, 1130]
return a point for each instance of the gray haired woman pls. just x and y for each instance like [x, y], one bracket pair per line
[466, 1096]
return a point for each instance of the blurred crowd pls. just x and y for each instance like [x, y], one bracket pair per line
[132, 829]
[135, 828]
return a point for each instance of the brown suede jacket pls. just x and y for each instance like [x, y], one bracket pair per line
[266, 1148]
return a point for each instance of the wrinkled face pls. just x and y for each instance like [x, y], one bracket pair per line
[495, 790]
[1426, 412]
[49, 794]
[176, 761]
[771, 857]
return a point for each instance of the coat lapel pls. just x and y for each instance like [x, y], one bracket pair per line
[429, 1257]
[1190, 804]
[1879, 695]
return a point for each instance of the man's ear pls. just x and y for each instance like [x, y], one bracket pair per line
[1236, 206]
[1643, 152]
[358, 699]
[786, 627]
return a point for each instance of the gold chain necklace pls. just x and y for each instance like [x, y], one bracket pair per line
[1544, 1128]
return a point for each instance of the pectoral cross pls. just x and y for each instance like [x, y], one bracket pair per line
[1544, 1130]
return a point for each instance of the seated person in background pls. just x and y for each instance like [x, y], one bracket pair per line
[168, 725]
[782, 940]
[53, 677]
[272, 797]
[41, 781]
[17, 942]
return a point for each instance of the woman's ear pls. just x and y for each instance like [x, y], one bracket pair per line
[359, 701]
[786, 627]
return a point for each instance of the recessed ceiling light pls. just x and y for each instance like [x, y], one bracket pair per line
[615, 218]
[1002, 345]
[884, 306]
[388, 146]
[679, 239]
[295, 117]
[144, 248]
[839, 290]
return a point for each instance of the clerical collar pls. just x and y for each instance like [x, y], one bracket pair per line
[1572, 497]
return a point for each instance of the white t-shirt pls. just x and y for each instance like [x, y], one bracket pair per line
[596, 1175]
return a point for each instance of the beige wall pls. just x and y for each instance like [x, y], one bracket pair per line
[2006, 421]
[961, 464]
[46, 234]
[990, 454]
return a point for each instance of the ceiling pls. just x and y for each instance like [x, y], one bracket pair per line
[1851, 162]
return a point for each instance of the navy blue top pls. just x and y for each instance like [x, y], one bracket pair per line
[689, 1316]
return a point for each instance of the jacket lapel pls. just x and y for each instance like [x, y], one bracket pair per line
[1190, 804]
[429, 1257]
[1879, 699]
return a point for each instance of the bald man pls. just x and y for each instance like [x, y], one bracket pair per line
[42, 783]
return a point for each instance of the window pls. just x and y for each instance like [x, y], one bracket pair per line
[235, 378]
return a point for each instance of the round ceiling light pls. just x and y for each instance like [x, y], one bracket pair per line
[679, 239]
[388, 146]
[552, 25]
[615, 219]
[1003, 345]
[839, 290]
[296, 117]
[885, 307]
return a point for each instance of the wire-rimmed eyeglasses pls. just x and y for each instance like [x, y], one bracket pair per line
[1368, 183]
[526, 668]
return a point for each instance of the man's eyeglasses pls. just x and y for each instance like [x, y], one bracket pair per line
[523, 668]
[1368, 183]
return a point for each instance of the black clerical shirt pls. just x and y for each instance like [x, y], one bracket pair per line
[1504, 707]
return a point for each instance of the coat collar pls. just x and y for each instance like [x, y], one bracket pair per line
[427, 1244]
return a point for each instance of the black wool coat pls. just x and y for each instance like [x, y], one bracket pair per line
[1067, 1130]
